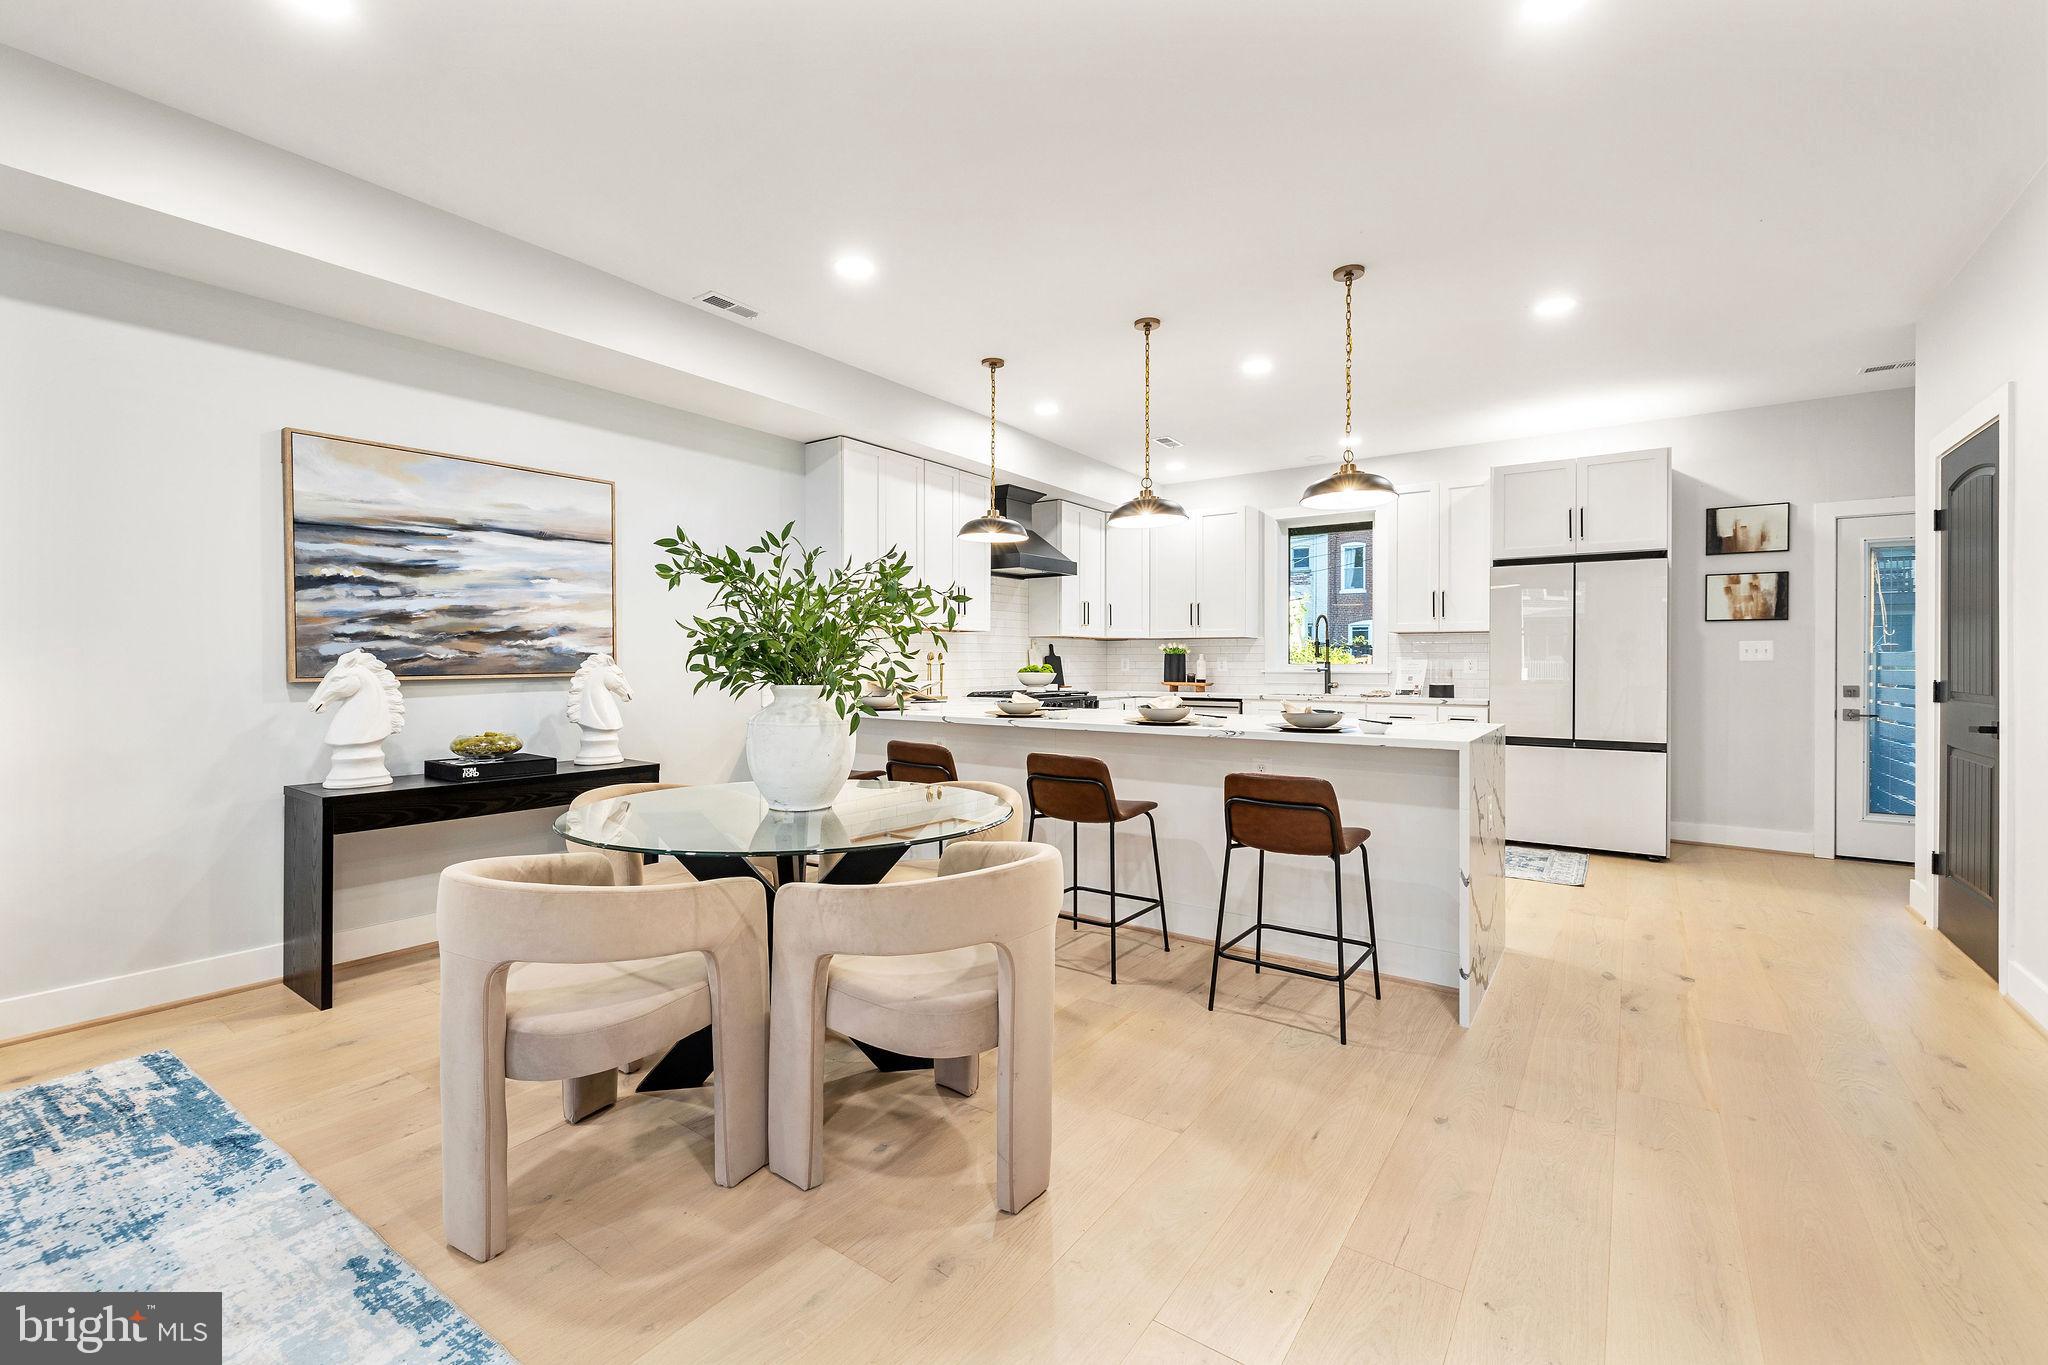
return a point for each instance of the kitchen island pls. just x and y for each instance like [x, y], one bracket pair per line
[1432, 793]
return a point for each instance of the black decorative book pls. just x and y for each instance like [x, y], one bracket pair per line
[488, 769]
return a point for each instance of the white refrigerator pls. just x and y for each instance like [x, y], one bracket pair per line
[1580, 676]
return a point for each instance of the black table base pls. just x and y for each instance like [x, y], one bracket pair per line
[687, 1065]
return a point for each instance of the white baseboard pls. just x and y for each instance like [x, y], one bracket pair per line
[1920, 899]
[111, 995]
[2028, 993]
[1739, 836]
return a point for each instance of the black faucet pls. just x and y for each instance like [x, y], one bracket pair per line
[1319, 634]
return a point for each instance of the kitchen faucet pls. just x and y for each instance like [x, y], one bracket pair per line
[1319, 633]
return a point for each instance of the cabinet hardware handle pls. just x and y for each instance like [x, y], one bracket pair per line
[1569, 534]
[1983, 729]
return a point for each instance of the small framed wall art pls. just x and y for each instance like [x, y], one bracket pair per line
[1755, 528]
[1749, 596]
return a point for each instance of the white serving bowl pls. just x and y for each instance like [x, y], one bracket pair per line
[1034, 682]
[1311, 720]
[1018, 708]
[1164, 715]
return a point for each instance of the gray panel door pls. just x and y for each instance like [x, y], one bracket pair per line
[1968, 885]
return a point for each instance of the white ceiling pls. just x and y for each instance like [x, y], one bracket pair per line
[1752, 198]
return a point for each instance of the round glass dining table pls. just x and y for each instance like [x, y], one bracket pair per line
[715, 831]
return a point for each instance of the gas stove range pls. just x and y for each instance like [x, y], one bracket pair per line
[1053, 698]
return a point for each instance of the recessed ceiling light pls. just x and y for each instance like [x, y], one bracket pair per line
[1257, 366]
[1555, 306]
[327, 11]
[857, 269]
[1550, 11]
[1045, 407]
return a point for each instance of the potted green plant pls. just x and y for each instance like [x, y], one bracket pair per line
[819, 639]
[1174, 657]
[1032, 676]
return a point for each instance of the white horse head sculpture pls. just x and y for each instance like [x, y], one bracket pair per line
[371, 708]
[594, 696]
[595, 693]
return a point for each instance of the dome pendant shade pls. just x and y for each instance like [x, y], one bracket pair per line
[992, 527]
[1349, 489]
[1148, 509]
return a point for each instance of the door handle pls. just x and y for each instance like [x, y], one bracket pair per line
[1984, 729]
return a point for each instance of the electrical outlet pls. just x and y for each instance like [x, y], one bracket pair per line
[1127, 666]
[1756, 651]
[1468, 668]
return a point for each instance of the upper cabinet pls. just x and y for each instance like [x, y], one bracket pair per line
[1206, 575]
[1127, 582]
[860, 501]
[1440, 557]
[1070, 605]
[1602, 504]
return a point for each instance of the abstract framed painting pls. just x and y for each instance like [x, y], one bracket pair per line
[1757, 528]
[443, 566]
[1749, 596]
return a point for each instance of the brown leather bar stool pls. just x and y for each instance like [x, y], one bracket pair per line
[1296, 816]
[1078, 790]
[866, 774]
[910, 761]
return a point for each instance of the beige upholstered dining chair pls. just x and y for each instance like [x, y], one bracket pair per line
[551, 972]
[944, 968]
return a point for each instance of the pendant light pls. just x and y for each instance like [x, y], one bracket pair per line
[1350, 488]
[1148, 508]
[992, 527]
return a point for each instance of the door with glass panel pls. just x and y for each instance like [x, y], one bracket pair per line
[1875, 661]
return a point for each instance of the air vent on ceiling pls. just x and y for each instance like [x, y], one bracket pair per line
[726, 305]
[1167, 442]
[1895, 365]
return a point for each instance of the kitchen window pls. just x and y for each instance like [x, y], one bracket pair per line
[1329, 573]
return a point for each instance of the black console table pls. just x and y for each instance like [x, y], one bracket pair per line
[314, 814]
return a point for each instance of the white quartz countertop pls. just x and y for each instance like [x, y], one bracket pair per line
[1399, 734]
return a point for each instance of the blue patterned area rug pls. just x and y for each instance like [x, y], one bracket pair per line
[136, 1176]
[1552, 865]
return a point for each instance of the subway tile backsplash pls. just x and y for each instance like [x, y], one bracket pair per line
[983, 660]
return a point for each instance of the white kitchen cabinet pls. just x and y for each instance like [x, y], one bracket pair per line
[1625, 502]
[1206, 576]
[1071, 605]
[1601, 504]
[1440, 557]
[860, 501]
[1126, 582]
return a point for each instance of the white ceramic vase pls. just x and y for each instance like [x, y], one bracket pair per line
[799, 749]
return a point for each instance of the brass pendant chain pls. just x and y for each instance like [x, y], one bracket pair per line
[1148, 410]
[992, 438]
[1347, 372]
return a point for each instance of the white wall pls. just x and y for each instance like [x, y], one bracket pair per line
[1742, 733]
[1988, 329]
[141, 571]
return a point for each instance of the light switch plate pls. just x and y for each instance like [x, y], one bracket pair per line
[1756, 651]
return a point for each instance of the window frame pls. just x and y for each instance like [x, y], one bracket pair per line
[1280, 561]
[1345, 566]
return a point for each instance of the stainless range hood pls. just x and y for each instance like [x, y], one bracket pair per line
[1036, 557]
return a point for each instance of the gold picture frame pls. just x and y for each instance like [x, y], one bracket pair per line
[381, 531]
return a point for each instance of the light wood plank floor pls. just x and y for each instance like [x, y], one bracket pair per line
[1737, 1107]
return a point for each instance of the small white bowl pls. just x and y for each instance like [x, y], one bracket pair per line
[1164, 715]
[1034, 682]
[1018, 708]
[1312, 720]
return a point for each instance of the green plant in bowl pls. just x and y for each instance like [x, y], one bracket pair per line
[488, 744]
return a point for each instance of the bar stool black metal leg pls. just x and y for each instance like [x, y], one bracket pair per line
[1076, 916]
[1222, 896]
[1259, 938]
[1158, 885]
[1371, 931]
[1112, 901]
[1337, 884]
